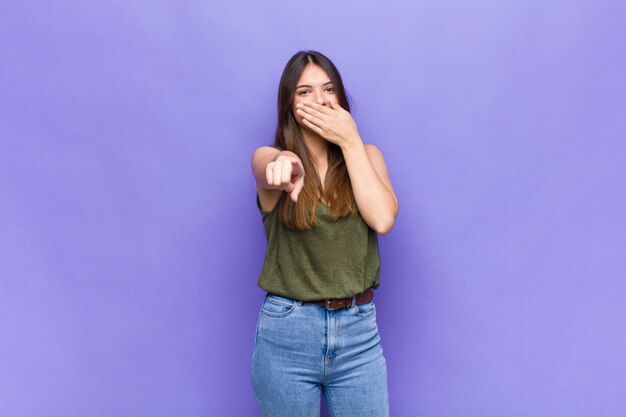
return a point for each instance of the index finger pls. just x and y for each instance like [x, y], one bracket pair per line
[319, 108]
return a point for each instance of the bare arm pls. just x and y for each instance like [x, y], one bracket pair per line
[276, 171]
[371, 185]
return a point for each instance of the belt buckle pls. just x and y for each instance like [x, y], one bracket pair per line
[327, 306]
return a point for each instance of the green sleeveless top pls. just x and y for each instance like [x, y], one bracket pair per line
[332, 260]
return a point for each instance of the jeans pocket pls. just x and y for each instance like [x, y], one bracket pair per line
[276, 306]
[366, 309]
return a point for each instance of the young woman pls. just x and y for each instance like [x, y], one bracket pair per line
[323, 196]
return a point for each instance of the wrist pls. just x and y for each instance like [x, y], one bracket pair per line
[352, 143]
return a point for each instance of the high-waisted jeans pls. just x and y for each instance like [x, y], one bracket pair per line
[301, 349]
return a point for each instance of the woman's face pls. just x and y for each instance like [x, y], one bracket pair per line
[314, 85]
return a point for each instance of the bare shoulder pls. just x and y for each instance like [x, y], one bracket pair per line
[380, 166]
[373, 150]
[261, 157]
[263, 151]
[375, 154]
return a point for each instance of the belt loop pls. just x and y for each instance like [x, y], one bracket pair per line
[353, 301]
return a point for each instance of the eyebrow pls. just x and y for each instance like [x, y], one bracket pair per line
[305, 85]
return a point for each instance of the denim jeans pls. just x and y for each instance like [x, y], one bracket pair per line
[302, 349]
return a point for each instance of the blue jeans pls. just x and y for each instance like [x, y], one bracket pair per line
[302, 348]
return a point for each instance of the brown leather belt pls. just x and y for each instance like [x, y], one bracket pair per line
[337, 303]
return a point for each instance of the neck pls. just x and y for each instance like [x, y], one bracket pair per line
[317, 145]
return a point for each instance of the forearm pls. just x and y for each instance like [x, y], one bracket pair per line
[263, 156]
[377, 203]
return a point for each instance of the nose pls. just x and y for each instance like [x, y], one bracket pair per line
[320, 98]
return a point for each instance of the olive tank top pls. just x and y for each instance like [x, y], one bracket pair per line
[332, 260]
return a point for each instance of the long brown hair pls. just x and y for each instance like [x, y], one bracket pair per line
[337, 188]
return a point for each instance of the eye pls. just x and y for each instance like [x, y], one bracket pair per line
[302, 92]
[330, 89]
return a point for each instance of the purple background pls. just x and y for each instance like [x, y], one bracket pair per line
[130, 242]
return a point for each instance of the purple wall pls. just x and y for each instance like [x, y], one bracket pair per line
[130, 242]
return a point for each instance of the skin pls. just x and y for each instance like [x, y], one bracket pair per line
[322, 120]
